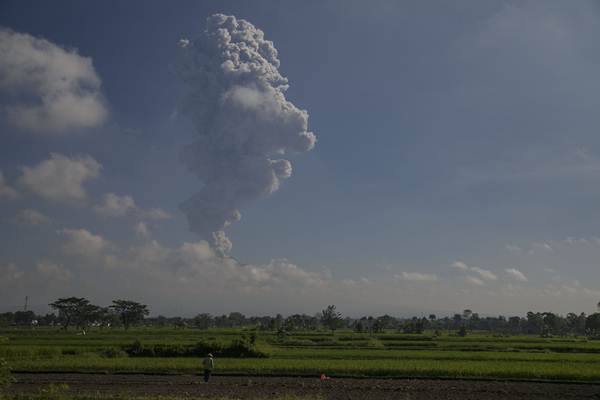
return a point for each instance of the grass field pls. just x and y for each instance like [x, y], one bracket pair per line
[310, 353]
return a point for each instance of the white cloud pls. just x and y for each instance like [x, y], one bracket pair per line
[198, 264]
[573, 241]
[416, 277]
[61, 178]
[365, 281]
[172, 278]
[114, 205]
[516, 274]
[53, 271]
[280, 272]
[6, 191]
[513, 249]
[590, 292]
[83, 242]
[10, 273]
[155, 213]
[31, 217]
[142, 230]
[361, 282]
[460, 265]
[484, 273]
[562, 287]
[46, 88]
[473, 280]
[538, 247]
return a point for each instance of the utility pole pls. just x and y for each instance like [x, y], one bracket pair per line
[26, 302]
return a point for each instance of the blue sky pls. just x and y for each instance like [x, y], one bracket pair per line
[456, 165]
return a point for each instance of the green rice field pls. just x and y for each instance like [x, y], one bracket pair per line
[308, 354]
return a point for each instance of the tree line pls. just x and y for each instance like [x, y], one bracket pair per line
[81, 313]
[533, 323]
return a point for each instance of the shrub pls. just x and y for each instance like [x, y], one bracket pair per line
[297, 342]
[137, 349]
[5, 377]
[22, 352]
[281, 334]
[71, 351]
[56, 392]
[238, 348]
[112, 352]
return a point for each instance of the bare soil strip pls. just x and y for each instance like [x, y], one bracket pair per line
[343, 388]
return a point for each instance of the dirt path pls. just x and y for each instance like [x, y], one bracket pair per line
[336, 389]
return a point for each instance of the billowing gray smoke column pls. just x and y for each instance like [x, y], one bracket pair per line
[244, 122]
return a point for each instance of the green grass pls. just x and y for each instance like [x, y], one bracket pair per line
[580, 371]
[376, 354]
[310, 353]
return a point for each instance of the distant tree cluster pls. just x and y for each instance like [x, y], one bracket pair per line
[79, 312]
[331, 318]
[534, 323]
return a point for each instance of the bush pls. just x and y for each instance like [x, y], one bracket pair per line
[5, 377]
[238, 348]
[375, 343]
[297, 342]
[71, 351]
[112, 352]
[56, 392]
[137, 349]
[22, 352]
[47, 352]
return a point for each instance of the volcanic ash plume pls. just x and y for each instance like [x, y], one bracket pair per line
[244, 123]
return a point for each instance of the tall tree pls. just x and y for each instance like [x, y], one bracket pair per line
[535, 323]
[74, 310]
[24, 317]
[331, 318]
[203, 321]
[592, 324]
[89, 313]
[514, 324]
[107, 317]
[131, 312]
[7, 318]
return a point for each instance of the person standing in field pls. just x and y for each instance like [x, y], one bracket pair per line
[208, 365]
